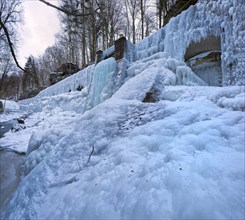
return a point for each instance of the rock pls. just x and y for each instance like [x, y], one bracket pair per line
[20, 121]
[17, 127]
[20, 125]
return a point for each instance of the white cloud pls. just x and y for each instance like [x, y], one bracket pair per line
[41, 23]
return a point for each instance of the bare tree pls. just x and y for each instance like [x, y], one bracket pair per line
[132, 10]
[163, 7]
[10, 16]
[110, 20]
[142, 16]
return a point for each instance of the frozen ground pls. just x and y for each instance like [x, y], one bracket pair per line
[179, 158]
[151, 151]
[11, 111]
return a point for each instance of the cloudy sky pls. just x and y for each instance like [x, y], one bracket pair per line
[41, 23]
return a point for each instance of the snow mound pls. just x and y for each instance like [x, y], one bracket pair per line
[72, 101]
[10, 105]
[150, 80]
[230, 97]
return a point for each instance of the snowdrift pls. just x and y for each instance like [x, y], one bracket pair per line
[181, 157]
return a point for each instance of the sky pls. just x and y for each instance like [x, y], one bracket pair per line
[41, 23]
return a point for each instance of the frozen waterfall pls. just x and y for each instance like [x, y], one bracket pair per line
[102, 83]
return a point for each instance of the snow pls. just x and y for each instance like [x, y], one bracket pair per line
[8, 119]
[145, 138]
[174, 158]
[82, 78]
[109, 52]
[11, 110]
[10, 105]
[230, 98]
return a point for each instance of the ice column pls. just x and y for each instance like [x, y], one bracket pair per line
[101, 88]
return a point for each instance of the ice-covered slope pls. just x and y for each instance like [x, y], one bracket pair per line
[128, 158]
[179, 158]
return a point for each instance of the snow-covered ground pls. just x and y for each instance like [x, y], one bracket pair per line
[11, 111]
[179, 158]
[149, 151]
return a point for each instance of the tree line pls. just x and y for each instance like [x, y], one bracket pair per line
[86, 26]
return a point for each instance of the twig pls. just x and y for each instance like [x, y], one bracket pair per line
[90, 155]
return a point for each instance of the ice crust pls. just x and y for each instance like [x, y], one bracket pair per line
[172, 159]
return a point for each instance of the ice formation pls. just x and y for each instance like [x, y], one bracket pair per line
[145, 137]
[102, 84]
[223, 19]
[150, 160]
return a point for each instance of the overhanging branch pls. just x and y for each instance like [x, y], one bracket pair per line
[10, 44]
[63, 10]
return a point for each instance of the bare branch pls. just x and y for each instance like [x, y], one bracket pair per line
[6, 32]
[63, 10]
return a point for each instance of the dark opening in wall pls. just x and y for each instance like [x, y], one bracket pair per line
[204, 58]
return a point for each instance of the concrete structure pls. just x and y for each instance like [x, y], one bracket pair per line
[211, 43]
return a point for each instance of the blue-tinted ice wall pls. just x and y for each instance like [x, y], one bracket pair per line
[221, 18]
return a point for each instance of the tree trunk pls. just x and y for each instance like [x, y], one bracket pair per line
[142, 18]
